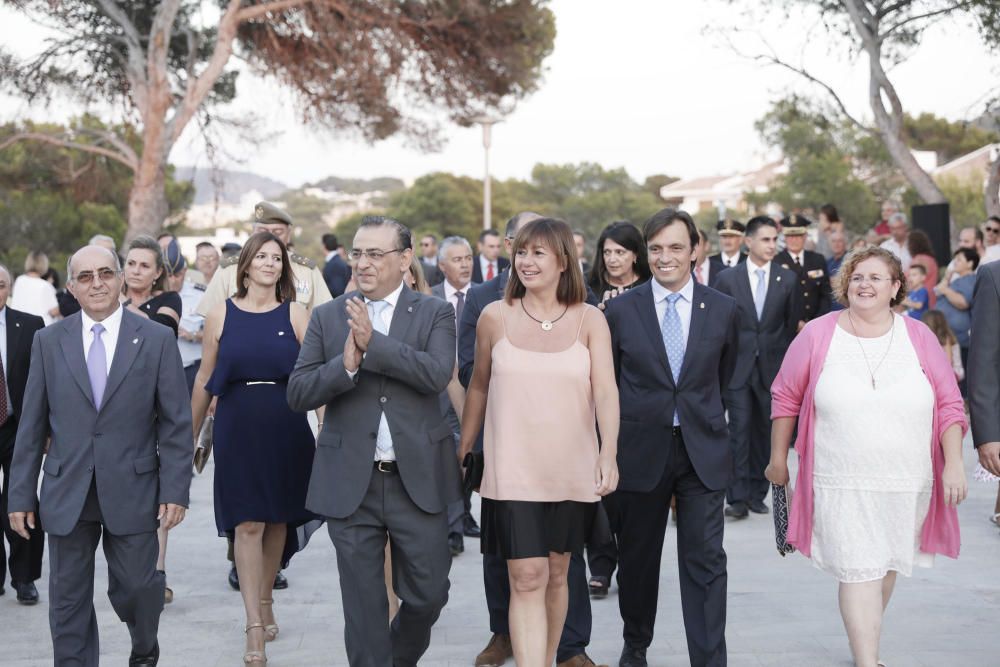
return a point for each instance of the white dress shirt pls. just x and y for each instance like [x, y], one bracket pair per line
[450, 292]
[3, 358]
[752, 272]
[683, 304]
[484, 265]
[112, 325]
[899, 250]
[800, 257]
[729, 260]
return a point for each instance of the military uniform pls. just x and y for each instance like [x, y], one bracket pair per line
[310, 288]
[716, 263]
[815, 293]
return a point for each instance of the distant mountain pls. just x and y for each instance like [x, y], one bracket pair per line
[231, 185]
[357, 186]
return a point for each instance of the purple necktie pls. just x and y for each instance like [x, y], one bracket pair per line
[97, 366]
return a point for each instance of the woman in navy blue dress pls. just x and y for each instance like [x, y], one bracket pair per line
[263, 450]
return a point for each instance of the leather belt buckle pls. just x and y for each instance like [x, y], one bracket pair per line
[385, 466]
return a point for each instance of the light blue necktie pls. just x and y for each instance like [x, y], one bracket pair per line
[758, 299]
[673, 340]
[383, 442]
[97, 365]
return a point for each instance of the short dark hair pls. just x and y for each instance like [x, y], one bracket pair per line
[516, 220]
[579, 232]
[205, 244]
[667, 217]
[330, 242]
[970, 256]
[284, 289]
[918, 243]
[429, 236]
[404, 238]
[759, 221]
[921, 267]
[830, 211]
[557, 237]
[488, 232]
[702, 236]
[994, 218]
[163, 235]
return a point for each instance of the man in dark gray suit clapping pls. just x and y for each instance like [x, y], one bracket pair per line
[385, 463]
[108, 387]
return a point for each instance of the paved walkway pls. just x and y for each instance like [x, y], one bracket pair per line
[781, 611]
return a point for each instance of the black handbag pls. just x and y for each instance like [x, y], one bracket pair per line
[779, 497]
[472, 471]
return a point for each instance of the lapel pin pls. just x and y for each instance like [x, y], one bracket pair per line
[410, 309]
[135, 340]
[702, 305]
[777, 279]
[281, 333]
[17, 324]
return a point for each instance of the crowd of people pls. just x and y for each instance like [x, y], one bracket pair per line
[585, 398]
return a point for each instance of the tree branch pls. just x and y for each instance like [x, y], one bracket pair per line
[919, 17]
[73, 145]
[896, 6]
[135, 69]
[255, 11]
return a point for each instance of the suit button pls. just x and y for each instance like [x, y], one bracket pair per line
[805, 294]
[382, 399]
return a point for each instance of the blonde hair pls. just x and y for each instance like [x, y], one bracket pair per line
[36, 262]
[419, 280]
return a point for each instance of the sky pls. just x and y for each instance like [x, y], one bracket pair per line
[646, 85]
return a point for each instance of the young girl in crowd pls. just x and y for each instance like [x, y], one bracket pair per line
[935, 321]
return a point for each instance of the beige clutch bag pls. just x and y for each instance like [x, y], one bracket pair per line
[203, 450]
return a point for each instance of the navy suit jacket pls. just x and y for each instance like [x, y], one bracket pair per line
[336, 274]
[763, 341]
[715, 266]
[649, 393]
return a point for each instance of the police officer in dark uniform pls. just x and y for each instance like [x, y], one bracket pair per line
[730, 248]
[809, 266]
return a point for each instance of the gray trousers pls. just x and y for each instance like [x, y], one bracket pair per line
[135, 588]
[420, 565]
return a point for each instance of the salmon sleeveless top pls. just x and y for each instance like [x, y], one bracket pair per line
[540, 436]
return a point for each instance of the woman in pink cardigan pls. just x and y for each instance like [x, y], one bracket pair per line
[880, 425]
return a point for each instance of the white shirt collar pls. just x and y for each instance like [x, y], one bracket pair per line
[3, 316]
[392, 297]
[112, 323]
[660, 292]
[449, 291]
[729, 258]
[752, 268]
[330, 255]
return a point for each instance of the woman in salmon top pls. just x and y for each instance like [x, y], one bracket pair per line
[543, 378]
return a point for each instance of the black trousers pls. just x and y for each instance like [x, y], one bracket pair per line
[700, 556]
[602, 559]
[25, 555]
[576, 630]
[750, 437]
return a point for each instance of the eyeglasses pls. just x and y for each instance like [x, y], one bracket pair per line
[874, 279]
[374, 254]
[993, 230]
[87, 277]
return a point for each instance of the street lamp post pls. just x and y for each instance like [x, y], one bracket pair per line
[487, 124]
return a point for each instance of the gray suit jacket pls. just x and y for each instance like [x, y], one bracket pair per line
[137, 448]
[402, 374]
[984, 356]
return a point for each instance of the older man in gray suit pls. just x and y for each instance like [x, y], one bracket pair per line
[385, 462]
[108, 387]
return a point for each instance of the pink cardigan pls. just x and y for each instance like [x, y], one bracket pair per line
[792, 396]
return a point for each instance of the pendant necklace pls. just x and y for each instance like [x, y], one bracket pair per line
[892, 334]
[546, 324]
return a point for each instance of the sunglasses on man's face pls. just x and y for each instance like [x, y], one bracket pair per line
[993, 230]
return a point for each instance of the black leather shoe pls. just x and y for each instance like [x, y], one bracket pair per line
[758, 507]
[234, 578]
[146, 660]
[2, 591]
[599, 587]
[737, 511]
[280, 583]
[455, 544]
[632, 656]
[26, 593]
[469, 526]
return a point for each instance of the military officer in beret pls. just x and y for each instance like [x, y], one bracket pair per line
[810, 267]
[310, 288]
[730, 245]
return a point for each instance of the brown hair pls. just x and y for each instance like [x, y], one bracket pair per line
[419, 280]
[284, 289]
[842, 279]
[935, 321]
[557, 236]
[145, 242]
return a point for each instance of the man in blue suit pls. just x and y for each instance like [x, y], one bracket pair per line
[675, 346]
[576, 631]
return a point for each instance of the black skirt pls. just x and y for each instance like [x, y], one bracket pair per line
[526, 529]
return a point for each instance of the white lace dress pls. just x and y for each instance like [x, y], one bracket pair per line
[872, 475]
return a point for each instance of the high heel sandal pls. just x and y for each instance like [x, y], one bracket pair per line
[270, 631]
[254, 657]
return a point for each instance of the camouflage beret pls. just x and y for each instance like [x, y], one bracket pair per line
[266, 212]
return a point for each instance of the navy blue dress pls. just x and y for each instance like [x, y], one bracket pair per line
[263, 450]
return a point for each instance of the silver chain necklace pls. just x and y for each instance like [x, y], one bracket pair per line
[892, 334]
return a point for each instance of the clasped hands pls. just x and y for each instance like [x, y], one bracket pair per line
[359, 336]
